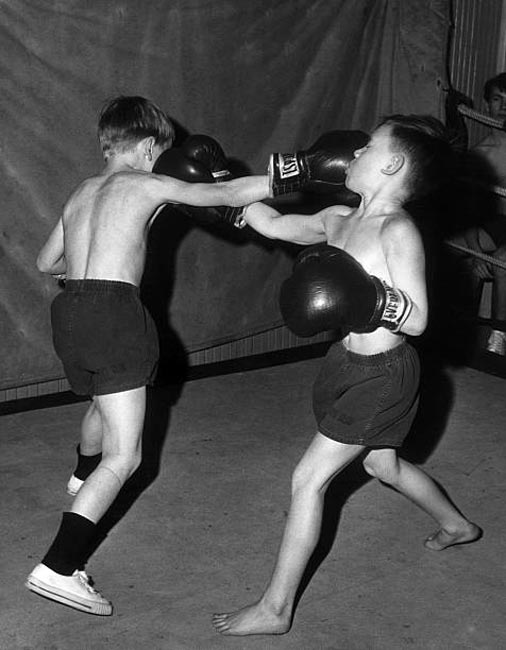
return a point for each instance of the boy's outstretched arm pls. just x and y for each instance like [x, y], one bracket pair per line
[202, 192]
[296, 228]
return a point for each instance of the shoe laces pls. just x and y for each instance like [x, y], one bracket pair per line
[85, 581]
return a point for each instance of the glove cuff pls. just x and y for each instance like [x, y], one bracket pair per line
[396, 309]
[287, 173]
[391, 311]
[222, 175]
[233, 216]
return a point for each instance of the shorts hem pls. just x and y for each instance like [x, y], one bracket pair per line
[117, 388]
[362, 443]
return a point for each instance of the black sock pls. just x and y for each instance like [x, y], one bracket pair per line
[86, 464]
[68, 551]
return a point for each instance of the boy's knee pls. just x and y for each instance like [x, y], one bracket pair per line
[385, 472]
[123, 465]
[301, 477]
[370, 468]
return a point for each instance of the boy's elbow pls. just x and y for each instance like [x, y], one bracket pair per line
[413, 330]
[415, 325]
[41, 265]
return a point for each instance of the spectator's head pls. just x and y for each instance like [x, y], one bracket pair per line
[494, 93]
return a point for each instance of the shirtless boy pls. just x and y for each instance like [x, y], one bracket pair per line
[405, 156]
[103, 334]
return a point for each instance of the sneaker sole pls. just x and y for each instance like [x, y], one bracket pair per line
[52, 593]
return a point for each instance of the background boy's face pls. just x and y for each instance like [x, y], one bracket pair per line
[497, 103]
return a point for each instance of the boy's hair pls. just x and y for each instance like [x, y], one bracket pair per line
[425, 142]
[125, 121]
[499, 82]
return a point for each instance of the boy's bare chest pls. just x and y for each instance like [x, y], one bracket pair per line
[358, 238]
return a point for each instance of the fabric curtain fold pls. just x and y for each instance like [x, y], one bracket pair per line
[258, 76]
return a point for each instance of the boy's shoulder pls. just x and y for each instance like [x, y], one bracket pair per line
[121, 182]
[117, 184]
[398, 224]
[331, 217]
[336, 211]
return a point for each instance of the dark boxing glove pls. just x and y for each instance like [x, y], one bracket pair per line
[330, 290]
[207, 151]
[174, 162]
[321, 168]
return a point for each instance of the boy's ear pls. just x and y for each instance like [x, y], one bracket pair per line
[394, 164]
[148, 144]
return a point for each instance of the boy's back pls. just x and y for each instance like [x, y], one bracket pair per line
[105, 224]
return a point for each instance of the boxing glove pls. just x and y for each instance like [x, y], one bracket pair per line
[321, 168]
[330, 290]
[207, 151]
[174, 162]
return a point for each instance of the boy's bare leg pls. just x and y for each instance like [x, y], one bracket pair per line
[272, 614]
[415, 484]
[91, 431]
[122, 416]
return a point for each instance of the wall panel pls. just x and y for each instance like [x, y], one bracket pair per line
[477, 44]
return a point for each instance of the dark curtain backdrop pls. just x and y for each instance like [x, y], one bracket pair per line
[260, 76]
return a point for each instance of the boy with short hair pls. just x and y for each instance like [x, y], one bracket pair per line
[102, 332]
[365, 396]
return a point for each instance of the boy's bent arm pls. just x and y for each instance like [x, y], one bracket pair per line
[405, 259]
[51, 258]
[296, 228]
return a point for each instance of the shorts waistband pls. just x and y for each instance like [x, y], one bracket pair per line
[375, 359]
[101, 286]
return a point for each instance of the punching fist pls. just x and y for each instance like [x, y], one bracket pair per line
[330, 290]
[321, 168]
[197, 169]
[206, 150]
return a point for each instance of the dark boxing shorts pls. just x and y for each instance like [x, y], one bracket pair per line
[104, 336]
[367, 400]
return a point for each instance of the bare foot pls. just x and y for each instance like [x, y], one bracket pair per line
[442, 538]
[254, 619]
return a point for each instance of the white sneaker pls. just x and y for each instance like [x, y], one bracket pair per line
[74, 485]
[497, 343]
[74, 591]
